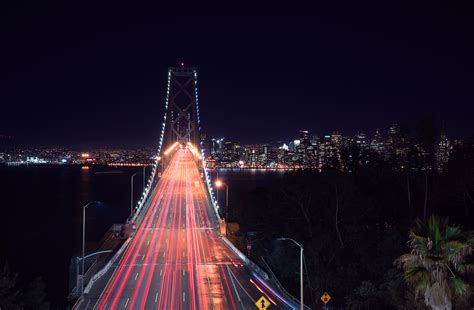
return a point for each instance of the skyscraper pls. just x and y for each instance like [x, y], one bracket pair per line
[442, 152]
[304, 137]
[377, 144]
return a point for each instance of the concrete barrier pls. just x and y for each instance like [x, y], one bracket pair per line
[106, 268]
[244, 258]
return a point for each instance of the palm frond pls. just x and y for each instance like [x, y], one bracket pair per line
[420, 284]
[420, 227]
[418, 244]
[470, 241]
[465, 268]
[455, 251]
[437, 237]
[453, 233]
[407, 260]
[417, 275]
[458, 286]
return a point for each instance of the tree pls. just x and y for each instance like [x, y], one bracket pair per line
[438, 262]
[34, 295]
[8, 288]
[13, 296]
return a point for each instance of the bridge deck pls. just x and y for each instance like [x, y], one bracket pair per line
[177, 260]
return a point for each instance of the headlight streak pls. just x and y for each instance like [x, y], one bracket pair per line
[273, 291]
[175, 260]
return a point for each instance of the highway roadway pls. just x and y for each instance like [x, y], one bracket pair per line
[177, 260]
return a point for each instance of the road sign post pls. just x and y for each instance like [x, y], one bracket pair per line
[262, 303]
[325, 298]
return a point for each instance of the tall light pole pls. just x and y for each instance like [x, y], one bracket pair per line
[131, 193]
[84, 239]
[219, 184]
[217, 178]
[301, 268]
[78, 259]
[144, 175]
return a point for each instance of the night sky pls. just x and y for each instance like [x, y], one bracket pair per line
[95, 73]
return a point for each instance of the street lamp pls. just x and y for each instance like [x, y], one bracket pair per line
[219, 184]
[84, 238]
[217, 178]
[144, 175]
[131, 189]
[131, 193]
[301, 267]
[78, 259]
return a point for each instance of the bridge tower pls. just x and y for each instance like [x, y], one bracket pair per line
[182, 111]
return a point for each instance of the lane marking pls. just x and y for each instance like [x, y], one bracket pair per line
[126, 304]
[233, 284]
[156, 297]
[184, 296]
[161, 272]
[136, 276]
[238, 282]
[183, 272]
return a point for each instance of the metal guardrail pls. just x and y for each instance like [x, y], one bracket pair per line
[244, 258]
[109, 264]
[106, 268]
[280, 286]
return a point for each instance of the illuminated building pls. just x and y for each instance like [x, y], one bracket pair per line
[304, 137]
[217, 145]
[442, 152]
[377, 144]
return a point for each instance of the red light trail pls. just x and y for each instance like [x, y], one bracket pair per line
[177, 260]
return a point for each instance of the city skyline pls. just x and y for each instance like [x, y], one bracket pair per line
[10, 141]
[427, 149]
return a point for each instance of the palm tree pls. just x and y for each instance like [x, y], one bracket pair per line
[437, 262]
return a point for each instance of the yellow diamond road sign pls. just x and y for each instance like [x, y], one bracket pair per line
[325, 298]
[262, 303]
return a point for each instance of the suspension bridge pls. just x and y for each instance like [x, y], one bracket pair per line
[179, 257]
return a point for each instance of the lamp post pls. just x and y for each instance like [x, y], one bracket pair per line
[144, 175]
[131, 193]
[219, 184]
[84, 239]
[217, 192]
[301, 268]
[78, 259]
